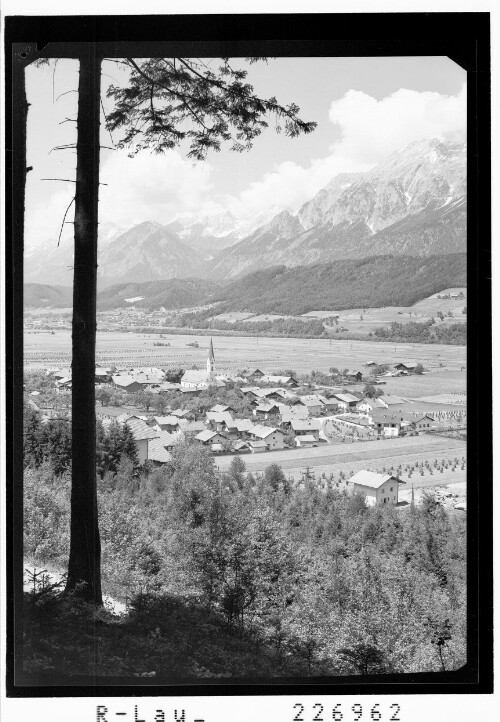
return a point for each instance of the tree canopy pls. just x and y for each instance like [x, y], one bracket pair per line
[170, 100]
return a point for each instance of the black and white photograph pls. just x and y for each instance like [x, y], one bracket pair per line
[244, 364]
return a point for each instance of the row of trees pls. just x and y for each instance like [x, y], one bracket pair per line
[424, 332]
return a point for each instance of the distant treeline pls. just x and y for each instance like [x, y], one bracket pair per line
[426, 332]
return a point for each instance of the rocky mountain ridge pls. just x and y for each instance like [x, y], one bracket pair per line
[411, 203]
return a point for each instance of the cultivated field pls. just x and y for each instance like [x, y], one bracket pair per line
[233, 352]
[374, 455]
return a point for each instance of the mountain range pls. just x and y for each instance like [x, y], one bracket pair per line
[353, 283]
[413, 203]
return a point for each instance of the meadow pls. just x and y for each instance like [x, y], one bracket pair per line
[366, 320]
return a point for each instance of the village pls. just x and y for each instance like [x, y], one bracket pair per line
[280, 419]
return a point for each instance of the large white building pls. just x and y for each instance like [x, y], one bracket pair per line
[378, 488]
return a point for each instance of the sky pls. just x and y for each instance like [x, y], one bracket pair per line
[365, 109]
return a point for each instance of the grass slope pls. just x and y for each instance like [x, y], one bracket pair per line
[171, 294]
[38, 295]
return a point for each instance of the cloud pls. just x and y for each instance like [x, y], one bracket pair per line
[43, 222]
[369, 129]
[153, 187]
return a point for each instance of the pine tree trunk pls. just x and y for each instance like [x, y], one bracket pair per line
[85, 548]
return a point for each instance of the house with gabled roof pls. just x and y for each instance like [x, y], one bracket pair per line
[408, 367]
[221, 408]
[313, 404]
[166, 423]
[209, 437]
[218, 420]
[273, 437]
[386, 423]
[391, 400]
[266, 409]
[306, 440]
[157, 452]
[346, 401]
[283, 380]
[368, 405]
[254, 373]
[257, 446]
[142, 433]
[303, 427]
[192, 428]
[180, 413]
[353, 375]
[126, 383]
[377, 488]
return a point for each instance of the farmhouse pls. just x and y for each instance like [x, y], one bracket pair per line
[283, 380]
[368, 405]
[180, 413]
[390, 400]
[346, 401]
[292, 412]
[166, 423]
[157, 452]
[386, 424]
[102, 376]
[257, 447]
[408, 367]
[142, 433]
[306, 440]
[330, 406]
[264, 410]
[208, 438]
[420, 421]
[313, 404]
[254, 373]
[191, 428]
[219, 421]
[273, 438]
[377, 488]
[221, 408]
[303, 427]
[352, 375]
[126, 383]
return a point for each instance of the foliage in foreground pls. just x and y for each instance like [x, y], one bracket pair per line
[272, 577]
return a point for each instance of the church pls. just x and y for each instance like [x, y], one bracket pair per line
[198, 380]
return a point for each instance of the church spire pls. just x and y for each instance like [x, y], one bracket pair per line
[211, 358]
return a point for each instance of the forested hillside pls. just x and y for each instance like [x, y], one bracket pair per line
[370, 282]
[235, 575]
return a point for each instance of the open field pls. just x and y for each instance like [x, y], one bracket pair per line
[233, 352]
[366, 320]
[446, 380]
[354, 456]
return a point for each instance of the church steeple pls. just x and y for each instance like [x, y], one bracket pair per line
[211, 359]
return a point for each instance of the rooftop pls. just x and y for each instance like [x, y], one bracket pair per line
[372, 479]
